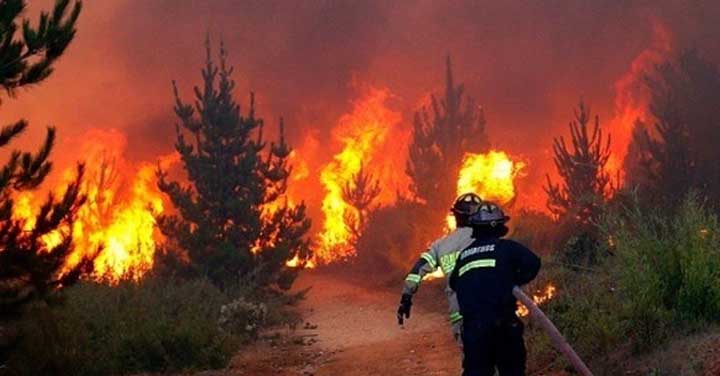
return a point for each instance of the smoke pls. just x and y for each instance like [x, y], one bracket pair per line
[527, 63]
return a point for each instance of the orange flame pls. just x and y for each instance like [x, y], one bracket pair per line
[631, 100]
[539, 298]
[118, 217]
[370, 137]
[128, 234]
[491, 176]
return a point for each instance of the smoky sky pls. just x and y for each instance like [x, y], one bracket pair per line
[526, 62]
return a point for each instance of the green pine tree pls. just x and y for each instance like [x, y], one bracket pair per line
[233, 176]
[577, 201]
[30, 269]
[442, 134]
[360, 193]
[585, 182]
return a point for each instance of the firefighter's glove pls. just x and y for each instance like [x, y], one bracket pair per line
[404, 309]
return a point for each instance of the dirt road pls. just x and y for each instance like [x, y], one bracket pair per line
[357, 334]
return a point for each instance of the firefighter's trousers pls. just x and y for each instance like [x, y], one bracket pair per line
[487, 345]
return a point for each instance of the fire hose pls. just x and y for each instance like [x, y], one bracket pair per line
[556, 337]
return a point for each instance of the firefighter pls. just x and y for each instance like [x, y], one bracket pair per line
[483, 278]
[442, 254]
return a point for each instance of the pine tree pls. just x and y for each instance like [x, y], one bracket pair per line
[442, 135]
[223, 222]
[585, 182]
[360, 193]
[578, 199]
[678, 151]
[31, 267]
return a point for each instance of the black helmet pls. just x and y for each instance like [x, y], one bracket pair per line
[465, 205]
[488, 214]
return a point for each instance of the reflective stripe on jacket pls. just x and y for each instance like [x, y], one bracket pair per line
[441, 254]
[485, 274]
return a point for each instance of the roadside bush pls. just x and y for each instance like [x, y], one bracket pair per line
[668, 269]
[657, 277]
[156, 325]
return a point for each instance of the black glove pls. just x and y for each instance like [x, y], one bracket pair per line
[404, 309]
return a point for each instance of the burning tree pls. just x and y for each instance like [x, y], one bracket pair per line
[367, 162]
[35, 252]
[577, 200]
[442, 135]
[233, 222]
[679, 151]
[360, 194]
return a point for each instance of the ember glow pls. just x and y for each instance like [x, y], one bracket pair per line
[370, 138]
[118, 218]
[539, 298]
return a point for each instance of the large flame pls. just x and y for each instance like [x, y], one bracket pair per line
[370, 138]
[632, 100]
[126, 230]
[118, 219]
[490, 175]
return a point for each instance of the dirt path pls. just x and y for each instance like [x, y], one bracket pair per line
[356, 334]
[358, 327]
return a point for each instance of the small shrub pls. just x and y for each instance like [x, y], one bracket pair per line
[156, 325]
[585, 310]
[242, 316]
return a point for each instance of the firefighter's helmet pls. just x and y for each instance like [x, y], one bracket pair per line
[488, 214]
[465, 205]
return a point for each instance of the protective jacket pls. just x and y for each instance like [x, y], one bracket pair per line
[486, 272]
[441, 254]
